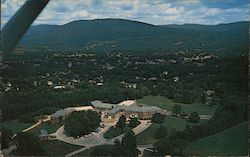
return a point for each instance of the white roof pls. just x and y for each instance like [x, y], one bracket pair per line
[83, 108]
[136, 109]
[127, 102]
[99, 104]
[69, 110]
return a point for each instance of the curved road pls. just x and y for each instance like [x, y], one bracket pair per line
[96, 139]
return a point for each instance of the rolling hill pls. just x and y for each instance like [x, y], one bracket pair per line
[119, 34]
[230, 142]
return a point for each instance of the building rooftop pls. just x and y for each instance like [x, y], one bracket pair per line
[127, 102]
[62, 112]
[43, 133]
[99, 104]
[135, 109]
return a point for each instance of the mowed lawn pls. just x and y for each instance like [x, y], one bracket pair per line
[58, 148]
[14, 125]
[170, 122]
[88, 151]
[167, 104]
[231, 142]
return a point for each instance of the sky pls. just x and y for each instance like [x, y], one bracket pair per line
[156, 12]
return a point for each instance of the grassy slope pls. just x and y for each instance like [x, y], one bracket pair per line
[88, 152]
[14, 125]
[147, 136]
[231, 142]
[167, 104]
[58, 148]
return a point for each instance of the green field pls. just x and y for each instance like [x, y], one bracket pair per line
[88, 152]
[147, 136]
[51, 128]
[14, 125]
[167, 104]
[231, 142]
[58, 148]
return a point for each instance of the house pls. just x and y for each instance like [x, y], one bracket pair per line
[61, 115]
[50, 83]
[176, 78]
[209, 92]
[43, 135]
[99, 84]
[165, 73]
[59, 87]
[152, 79]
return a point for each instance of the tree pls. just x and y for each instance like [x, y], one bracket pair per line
[27, 118]
[171, 145]
[214, 101]
[129, 144]
[194, 117]
[129, 139]
[28, 145]
[134, 122]
[158, 118]
[176, 109]
[82, 123]
[5, 138]
[121, 122]
[161, 132]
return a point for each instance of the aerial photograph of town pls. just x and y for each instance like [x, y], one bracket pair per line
[124, 78]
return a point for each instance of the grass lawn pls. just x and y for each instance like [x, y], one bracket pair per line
[147, 136]
[58, 148]
[231, 142]
[51, 128]
[147, 153]
[88, 152]
[111, 133]
[167, 104]
[14, 125]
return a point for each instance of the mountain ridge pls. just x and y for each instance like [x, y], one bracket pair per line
[121, 34]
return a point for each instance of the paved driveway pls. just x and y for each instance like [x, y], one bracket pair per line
[95, 139]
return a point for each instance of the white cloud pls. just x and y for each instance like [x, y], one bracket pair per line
[154, 12]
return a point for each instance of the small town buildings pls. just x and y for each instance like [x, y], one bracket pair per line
[75, 80]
